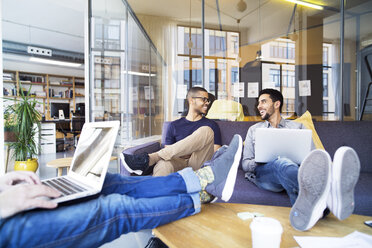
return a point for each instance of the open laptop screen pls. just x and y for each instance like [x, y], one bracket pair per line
[272, 143]
[93, 151]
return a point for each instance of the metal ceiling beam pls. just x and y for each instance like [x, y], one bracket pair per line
[57, 54]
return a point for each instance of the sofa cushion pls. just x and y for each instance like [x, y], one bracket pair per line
[307, 121]
[223, 109]
[247, 192]
[164, 132]
[363, 195]
[229, 128]
[356, 134]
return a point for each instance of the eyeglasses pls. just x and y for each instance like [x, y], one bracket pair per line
[204, 99]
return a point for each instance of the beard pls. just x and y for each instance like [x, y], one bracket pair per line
[266, 117]
[268, 114]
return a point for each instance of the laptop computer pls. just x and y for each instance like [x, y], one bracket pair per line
[272, 143]
[89, 164]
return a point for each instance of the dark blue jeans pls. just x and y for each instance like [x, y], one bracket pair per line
[126, 204]
[278, 175]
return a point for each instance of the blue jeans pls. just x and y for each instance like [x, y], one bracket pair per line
[126, 204]
[278, 175]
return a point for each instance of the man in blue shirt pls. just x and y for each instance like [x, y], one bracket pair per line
[316, 184]
[190, 141]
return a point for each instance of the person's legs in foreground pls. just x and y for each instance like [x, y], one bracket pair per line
[126, 205]
[323, 183]
[315, 185]
[198, 145]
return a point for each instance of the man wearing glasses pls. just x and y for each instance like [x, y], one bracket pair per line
[190, 141]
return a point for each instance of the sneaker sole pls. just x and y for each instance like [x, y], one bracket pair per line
[138, 172]
[345, 175]
[231, 177]
[314, 176]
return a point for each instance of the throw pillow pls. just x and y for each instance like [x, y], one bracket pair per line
[307, 121]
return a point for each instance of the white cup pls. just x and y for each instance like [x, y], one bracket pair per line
[266, 232]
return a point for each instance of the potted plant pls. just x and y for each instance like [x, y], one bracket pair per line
[9, 126]
[28, 121]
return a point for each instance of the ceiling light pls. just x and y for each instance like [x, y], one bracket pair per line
[241, 6]
[311, 5]
[259, 56]
[54, 62]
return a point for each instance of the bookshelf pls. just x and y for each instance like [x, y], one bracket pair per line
[47, 88]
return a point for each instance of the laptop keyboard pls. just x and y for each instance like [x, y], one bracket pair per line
[63, 185]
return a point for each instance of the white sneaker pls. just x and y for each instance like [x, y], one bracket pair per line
[314, 181]
[345, 174]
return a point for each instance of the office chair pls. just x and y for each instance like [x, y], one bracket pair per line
[74, 127]
[77, 123]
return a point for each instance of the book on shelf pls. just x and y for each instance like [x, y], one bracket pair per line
[51, 92]
[66, 83]
[31, 79]
[40, 93]
[79, 83]
[7, 76]
[69, 94]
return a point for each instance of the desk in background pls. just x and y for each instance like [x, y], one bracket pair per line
[67, 131]
[48, 138]
[61, 125]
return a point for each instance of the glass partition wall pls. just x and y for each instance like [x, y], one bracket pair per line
[126, 81]
[312, 51]
[145, 55]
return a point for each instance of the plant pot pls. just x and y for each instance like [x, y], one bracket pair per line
[29, 165]
[9, 136]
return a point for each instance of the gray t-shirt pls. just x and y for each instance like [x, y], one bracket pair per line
[248, 163]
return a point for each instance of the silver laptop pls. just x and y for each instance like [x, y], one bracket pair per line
[89, 164]
[272, 143]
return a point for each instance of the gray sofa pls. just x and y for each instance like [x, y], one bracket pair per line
[333, 134]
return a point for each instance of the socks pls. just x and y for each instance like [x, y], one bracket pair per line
[205, 176]
[205, 197]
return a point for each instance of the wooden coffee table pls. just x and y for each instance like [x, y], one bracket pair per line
[218, 225]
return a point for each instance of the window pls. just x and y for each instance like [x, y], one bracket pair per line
[222, 68]
[325, 56]
[325, 106]
[275, 77]
[283, 49]
[325, 84]
[234, 74]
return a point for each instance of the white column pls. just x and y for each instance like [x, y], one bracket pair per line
[2, 158]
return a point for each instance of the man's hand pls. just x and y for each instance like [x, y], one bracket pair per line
[12, 178]
[216, 147]
[21, 197]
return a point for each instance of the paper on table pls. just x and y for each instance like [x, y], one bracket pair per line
[355, 239]
[248, 215]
